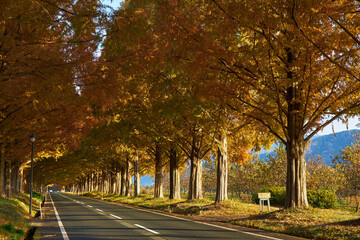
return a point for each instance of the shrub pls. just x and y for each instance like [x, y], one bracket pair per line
[322, 198]
[278, 195]
[36, 195]
[11, 229]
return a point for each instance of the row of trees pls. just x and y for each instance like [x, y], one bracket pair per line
[273, 66]
[194, 80]
[46, 48]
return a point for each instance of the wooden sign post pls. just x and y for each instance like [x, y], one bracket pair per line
[262, 198]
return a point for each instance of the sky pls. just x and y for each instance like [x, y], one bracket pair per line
[115, 4]
[339, 126]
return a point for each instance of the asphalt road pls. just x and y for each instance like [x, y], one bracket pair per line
[73, 217]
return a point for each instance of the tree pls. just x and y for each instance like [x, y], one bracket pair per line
[292, 71]
[37, 93]
[321, 176]
[348, 164]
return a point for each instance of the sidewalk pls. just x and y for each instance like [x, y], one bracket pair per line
[47, 228]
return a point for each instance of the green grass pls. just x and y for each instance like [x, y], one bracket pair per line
[313, 223]
[14, 216]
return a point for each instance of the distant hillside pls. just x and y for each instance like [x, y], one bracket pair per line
[327, 145]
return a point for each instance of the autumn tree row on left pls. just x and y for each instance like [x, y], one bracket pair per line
[44, 48]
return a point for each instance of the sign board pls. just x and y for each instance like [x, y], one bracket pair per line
[264, 195]
[262, 198]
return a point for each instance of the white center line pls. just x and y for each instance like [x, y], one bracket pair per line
[99, 210]
[152, 231]
[82, 203]
[61, 226]
[115, 216]
[88, 205]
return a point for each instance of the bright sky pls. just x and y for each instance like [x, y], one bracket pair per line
[339, 126]
[113, 3]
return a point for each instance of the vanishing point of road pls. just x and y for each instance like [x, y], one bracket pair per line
[73, 217]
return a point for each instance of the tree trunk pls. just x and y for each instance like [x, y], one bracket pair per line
[113, 183]
[296, 195]
[2, 171]
[174, 175]
[136, 176]
[158, 189]
[222, 170]
[21, 180]
[102, 179]
[96, 188]
[89, 180]
[86, 183]
[8, 173]
[123, 181]
[98, 182]
[195, 181]
[92, 182]
[128, 178]
[118, 182]
[14, 179]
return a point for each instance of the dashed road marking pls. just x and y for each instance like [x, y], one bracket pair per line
[152, 231]
[99, 210]
[115, 216]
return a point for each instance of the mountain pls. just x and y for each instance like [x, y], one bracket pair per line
[326, 146]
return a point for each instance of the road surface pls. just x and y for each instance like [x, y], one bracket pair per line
[75, 218]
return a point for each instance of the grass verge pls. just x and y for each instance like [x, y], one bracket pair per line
[14, 216]
[313, 223]
[203, 207]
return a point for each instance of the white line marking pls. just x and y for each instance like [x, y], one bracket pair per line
[82, 203]
[152, 231]
[88, 205]
[61, 226]
[99, 210]
[115, 216]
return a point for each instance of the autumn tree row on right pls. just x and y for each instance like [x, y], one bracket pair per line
[291, 67]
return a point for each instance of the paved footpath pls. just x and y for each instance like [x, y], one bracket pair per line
[74, 217]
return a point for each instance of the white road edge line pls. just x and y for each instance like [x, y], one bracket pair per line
[209, 224]
[99, 210]
[152, 231]
[115, 216]
[61, 226]
[88, 205]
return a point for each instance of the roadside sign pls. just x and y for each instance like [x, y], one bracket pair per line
[262, 198]
[264, 195]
